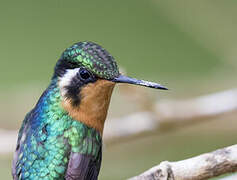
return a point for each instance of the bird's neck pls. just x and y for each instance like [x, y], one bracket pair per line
[92, 109]
[51, 112]
[93, 106]
[49, 105]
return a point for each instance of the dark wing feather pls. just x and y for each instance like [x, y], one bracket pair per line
[83, 167]
[22, 130]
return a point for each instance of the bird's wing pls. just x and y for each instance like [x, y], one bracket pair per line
[83, 167]
[85, 155]
[21, 133]
[83, 152]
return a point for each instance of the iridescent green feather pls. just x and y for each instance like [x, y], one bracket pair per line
[51, 136]
[93, 57]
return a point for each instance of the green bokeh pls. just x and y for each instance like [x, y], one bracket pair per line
[34, 34]
[146, 40]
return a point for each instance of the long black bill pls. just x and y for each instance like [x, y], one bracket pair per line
[129, 80]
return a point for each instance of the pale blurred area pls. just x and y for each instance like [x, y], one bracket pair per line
[188, 46]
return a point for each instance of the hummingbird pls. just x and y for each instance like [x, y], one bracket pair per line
[61, 137]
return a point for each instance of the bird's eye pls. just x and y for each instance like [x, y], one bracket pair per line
[84, 74]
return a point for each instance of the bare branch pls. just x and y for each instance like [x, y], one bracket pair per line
[197, 168]
[8, 141]
[231, 177]
[210, 105]
[174, 113]
[171, 112]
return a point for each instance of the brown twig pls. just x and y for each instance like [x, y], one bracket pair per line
[197, 168]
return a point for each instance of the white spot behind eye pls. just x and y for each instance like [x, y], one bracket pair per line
[66, 80]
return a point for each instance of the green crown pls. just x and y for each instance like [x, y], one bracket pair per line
[93, 57]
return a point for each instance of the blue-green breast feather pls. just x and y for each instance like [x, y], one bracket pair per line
[49, 138]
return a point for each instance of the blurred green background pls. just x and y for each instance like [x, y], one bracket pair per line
[189, 46]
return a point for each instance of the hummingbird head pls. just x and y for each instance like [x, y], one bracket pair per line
[86, 75]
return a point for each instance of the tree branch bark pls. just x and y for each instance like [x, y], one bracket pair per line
[231, 177]
[197, 168]
[168, 114]
[163, 114]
